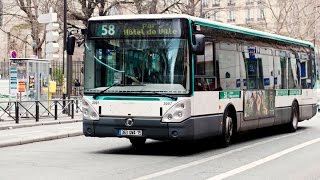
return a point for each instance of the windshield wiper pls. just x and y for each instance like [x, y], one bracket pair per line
[163, 95]
[99, 93]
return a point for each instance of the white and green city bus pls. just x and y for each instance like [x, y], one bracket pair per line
[178, 77]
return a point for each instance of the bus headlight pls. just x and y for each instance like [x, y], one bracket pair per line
[88, 111]
[179, 112]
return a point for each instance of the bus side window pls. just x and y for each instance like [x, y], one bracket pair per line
[205, 69]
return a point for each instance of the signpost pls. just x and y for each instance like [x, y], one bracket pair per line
[52, 35]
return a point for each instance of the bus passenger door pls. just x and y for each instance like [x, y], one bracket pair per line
[258, 101]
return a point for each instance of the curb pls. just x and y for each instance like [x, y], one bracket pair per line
[15, 126]
[16, 142]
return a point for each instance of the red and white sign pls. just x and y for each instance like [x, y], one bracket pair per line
[13, 54]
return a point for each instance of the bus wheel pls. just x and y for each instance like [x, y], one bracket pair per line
[137, 142]
[227, 129]
[292, 126]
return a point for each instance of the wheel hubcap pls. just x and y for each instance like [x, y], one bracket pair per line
[229, 126]
[295, 120]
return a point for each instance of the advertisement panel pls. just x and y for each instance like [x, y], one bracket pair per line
[258, 103]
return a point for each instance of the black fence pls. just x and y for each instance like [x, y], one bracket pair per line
[16, 110]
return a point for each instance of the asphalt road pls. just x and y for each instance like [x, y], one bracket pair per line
[266, 154]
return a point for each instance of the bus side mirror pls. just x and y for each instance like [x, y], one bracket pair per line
[198, 47]
[71, 40]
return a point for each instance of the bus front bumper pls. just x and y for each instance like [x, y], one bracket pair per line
[151, 128]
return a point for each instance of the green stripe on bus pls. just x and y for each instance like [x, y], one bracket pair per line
[282, 92]
[229, 94]
[288, 92]
[295, 92]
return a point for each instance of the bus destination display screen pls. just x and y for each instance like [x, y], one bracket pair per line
[135, 28]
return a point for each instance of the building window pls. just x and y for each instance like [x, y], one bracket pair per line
[231, 16]
[249, 2]
[261, 15]
[261, 2]
[216, 16]
[216, 3]
[231, 2]
[204, 3]
[249, 16]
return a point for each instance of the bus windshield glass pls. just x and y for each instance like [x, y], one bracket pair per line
[133, 62]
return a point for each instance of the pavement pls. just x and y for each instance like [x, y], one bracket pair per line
[29, 131]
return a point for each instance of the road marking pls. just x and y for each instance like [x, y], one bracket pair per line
[262, 161]
[197, 162]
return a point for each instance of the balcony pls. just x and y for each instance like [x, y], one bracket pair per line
[216, 5]
[248, 20]
[248, 3]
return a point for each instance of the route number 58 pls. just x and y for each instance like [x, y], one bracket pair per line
[108, 30]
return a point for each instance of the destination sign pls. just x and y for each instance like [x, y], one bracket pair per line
[135, 28]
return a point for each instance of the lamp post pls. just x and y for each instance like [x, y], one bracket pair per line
[64, 46]
[33, 44]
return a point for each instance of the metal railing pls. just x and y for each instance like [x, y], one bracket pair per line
[16, 110]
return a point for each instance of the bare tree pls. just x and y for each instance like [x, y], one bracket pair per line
[294, 18]
[88, 8]
[24, 14]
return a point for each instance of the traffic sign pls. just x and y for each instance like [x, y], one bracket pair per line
[13, 54]
[52, 27]
[52, 56]
[52, 36]
[52, 47]
[48, 18]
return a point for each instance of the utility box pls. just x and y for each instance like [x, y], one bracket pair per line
[29, 79]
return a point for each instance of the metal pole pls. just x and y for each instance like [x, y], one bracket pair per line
[69, 80]
[72, 109]
[64, 47]
[64, 32]
[69, 75]
[37, 111]
[17, 112]
[55, 110]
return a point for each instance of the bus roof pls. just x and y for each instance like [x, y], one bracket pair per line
[210, 23]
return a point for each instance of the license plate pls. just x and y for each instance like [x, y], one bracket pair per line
[123, 132]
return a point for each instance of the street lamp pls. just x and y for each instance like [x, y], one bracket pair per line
[33, 44]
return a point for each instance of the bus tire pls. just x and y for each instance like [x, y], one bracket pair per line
[292, 126]
[137, 142]
[227, 129]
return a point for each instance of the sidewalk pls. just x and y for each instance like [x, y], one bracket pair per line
[29, 131]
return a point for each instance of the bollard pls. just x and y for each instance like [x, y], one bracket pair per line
[17, 112]
[72, 109]
[55, 110]
[69, 108]
[37, 111]
[77, 105]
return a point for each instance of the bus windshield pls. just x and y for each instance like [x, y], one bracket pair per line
[137, 56]
[137, 65]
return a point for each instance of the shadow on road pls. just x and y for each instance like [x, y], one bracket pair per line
[177, 148]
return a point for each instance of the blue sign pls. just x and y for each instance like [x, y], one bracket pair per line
[252, 54]
[266, 81]
[238, 83]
